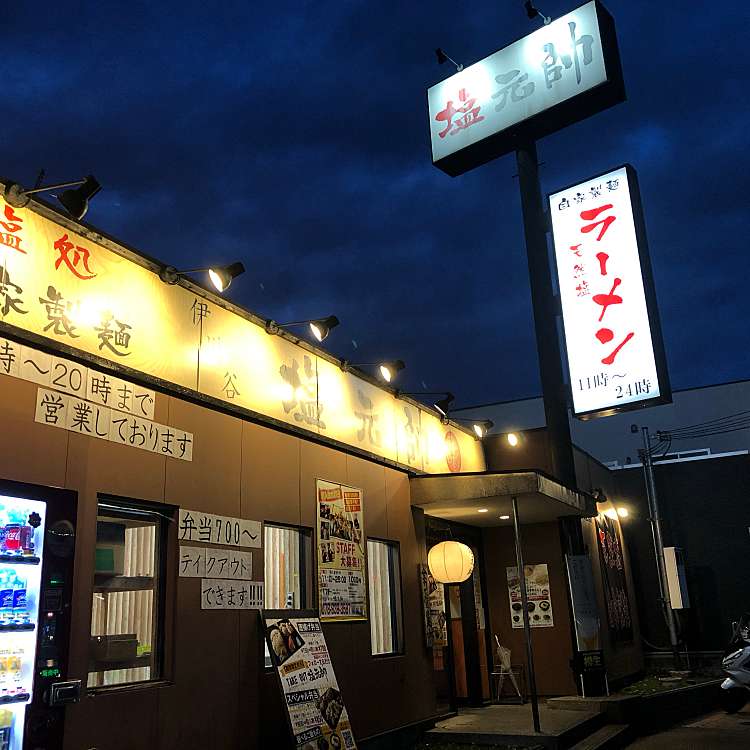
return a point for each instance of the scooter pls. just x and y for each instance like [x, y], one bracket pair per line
[735, 690]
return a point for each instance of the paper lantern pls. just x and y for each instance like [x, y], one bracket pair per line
[450, 562]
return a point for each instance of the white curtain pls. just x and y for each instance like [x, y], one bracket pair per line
[123, 612]
[381, 606]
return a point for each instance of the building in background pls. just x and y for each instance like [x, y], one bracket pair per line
[702, 474]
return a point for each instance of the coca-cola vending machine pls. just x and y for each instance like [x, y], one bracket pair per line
[37, 544]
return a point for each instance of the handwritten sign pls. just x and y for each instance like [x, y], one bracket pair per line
[92, 420]
[314, 704]
[201, 562]
[60, 374]
[207, 528]
[222, 594]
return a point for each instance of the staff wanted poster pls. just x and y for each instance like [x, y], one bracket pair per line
[342, 587]
[314, 705]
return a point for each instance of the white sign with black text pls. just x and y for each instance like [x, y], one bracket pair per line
[207, 528]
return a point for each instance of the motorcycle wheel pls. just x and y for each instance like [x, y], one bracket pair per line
[733, 699]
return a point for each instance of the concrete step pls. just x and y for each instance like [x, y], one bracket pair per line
[609, 737]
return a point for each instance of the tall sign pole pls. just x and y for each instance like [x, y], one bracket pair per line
[545, 319]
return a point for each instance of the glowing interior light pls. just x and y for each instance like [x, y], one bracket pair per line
[513, 439]
[482, 510]
[386, 373]
[504, 518]
[316, 331]
[623, 512]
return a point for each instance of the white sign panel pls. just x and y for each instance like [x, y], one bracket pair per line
[95, 421]
[207, 528]
[544, 69]
[202, 562]
[221, 594]
[612, 357]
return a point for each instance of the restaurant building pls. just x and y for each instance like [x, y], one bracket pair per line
[190, 445]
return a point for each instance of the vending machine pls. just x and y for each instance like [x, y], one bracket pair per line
[37, 542]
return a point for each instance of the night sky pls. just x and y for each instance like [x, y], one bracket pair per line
[293, 136]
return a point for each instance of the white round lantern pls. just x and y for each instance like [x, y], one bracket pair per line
[450, 562]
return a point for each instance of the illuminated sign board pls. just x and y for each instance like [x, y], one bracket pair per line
[612, 333]
[559, 74]
[66, 286]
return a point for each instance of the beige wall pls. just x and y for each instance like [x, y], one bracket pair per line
[221, 696]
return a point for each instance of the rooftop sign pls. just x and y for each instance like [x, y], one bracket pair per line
[559, 74]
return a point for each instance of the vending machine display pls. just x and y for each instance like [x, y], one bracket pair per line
[22, 526]
[37, 542]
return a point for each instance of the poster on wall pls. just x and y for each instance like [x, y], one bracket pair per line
[342, 589]
[613, 578]
[537, 593]
[433, 603]
[314, 704]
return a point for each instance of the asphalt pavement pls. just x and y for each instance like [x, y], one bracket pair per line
[715, 730]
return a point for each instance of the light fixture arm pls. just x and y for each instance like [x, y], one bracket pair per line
[19, 198]
[459, 66]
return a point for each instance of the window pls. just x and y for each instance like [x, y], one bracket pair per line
[287, 567]
[384, 578]
[128, 597]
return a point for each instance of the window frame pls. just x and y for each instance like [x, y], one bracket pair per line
[307, 571]
[396, 599]
[165, 517]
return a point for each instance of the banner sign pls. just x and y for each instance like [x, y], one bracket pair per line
[314, 704]
[537, 594]
[614, 580]
[342, 586]
[557, 75]
[208, 528]
[613, 338]
[433, 603]
[227, 594]
[65, 284]
[583, 602]
[204, 562]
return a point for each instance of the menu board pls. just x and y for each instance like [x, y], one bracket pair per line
[433, 601]
[537, 594]
[342, 590]
[314, 704]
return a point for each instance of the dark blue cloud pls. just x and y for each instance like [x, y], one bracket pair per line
[293, 135]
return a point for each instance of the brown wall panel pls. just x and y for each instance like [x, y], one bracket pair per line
[552, 646]
[270, 475]
[29, 452]
[221, 695]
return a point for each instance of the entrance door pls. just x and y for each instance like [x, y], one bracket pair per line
[460, 671]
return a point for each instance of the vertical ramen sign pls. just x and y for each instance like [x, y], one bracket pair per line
[342, 589]
[613, 339]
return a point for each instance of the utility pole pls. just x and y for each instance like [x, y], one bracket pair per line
[653, 503]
